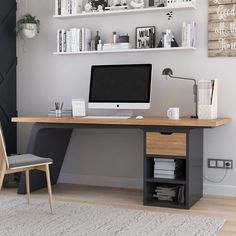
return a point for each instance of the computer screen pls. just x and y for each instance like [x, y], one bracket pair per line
[120, 85]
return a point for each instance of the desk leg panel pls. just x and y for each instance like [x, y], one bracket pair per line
[50, 142]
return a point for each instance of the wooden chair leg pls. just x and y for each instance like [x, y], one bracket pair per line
[27, 185]
[49, 187]
[2, 174]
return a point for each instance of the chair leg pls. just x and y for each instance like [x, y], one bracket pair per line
[27, 185]
[2, 174]
[49, 187]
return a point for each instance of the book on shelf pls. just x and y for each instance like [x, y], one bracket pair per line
[169, 192]
[166, 165]
[164, 160]
[189, 34]
[117, 46]
[68, 7]
[73, 40]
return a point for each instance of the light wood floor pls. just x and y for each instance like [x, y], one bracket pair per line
[208, 206]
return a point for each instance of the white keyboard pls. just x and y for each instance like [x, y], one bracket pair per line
[108, 117]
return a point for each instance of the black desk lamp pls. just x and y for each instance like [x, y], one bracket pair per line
[168, 72]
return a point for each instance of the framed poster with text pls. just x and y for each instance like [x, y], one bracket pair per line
[222, 28]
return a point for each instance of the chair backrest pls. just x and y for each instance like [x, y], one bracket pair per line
[3, 154]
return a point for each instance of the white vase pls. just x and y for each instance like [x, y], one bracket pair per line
[29, 30]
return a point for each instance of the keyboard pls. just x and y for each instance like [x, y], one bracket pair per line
[108, 117]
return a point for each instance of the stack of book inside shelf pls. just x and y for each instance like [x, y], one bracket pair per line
[63, 113]
[73, 40]
[168, 168]
[169, 192]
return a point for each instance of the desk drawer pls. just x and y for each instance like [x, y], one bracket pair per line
[173, 144]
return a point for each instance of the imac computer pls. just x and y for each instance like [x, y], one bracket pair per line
[120, 87]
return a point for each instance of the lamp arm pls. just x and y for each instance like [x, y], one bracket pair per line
[183, 78]
[194, 91]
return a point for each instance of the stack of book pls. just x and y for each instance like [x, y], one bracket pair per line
[189, 34]
[73, 40]
[64, 113]
[167, 168]
[166, 192]
[68, 7]
[169, 192]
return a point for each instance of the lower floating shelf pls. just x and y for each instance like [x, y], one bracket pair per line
[127, 50]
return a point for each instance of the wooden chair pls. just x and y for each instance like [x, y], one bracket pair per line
[20, 163]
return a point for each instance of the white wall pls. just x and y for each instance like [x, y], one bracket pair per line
[113, 157]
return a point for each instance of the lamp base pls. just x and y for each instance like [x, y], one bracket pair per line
[194, 117]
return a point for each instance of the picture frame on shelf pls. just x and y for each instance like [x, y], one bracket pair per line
[145, 37]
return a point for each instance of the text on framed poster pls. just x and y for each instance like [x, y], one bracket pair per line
[222, 28]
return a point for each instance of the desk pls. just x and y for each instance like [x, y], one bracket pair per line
[163, 138]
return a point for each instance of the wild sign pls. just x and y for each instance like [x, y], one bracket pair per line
[145, 37]
[222, 28]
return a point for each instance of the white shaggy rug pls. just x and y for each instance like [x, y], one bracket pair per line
[18, 218]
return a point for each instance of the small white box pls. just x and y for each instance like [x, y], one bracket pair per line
[78, 107]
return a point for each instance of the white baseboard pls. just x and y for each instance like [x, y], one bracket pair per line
[105, 181]
[118, 182]
[219, 190]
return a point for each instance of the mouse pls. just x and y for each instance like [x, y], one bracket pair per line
[139, 117]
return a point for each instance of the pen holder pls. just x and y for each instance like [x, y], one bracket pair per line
[58, 113]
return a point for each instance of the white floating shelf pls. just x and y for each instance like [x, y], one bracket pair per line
[127, 50]
[124, 12]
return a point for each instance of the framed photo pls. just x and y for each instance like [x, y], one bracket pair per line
[145, 37]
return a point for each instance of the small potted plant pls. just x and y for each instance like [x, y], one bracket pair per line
[28, 26]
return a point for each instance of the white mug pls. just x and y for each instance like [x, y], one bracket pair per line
[173, 113]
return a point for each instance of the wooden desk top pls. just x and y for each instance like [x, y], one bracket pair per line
[147, 121]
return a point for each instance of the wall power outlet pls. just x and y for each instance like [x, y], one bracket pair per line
[220, 163]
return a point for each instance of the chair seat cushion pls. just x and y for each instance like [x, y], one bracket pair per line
[27, 160]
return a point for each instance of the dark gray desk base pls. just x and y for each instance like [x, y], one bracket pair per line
[51, 140]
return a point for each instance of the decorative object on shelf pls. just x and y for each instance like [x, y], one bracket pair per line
[124, 38]
[28, 26]
[96, 39]
[99, 46]
[156, 3]
[167, 40]
[169, 15]
[168, 72]
[137, 4]
[88, 7]
[180, 3]
[145, 37]
[117, 5]
[92, 45]
[221, 28]
[99, 5]
[114, 38]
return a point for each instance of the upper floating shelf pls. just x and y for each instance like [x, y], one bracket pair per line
[125, 12]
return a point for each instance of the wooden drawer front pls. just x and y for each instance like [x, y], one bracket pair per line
[166, 144]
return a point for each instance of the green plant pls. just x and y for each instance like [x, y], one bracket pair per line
[27, 19]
